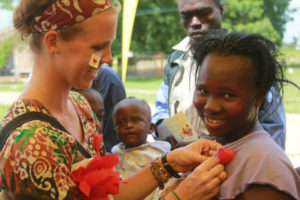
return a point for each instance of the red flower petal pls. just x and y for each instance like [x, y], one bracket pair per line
[97, 142]
[85, 188]
[225, 155]
[98, 178]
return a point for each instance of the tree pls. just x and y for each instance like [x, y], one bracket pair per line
[6, 49]
[7, 44]
[295, 41]
[7, 4]
[249, 16]
[277, 11]
[157, 27]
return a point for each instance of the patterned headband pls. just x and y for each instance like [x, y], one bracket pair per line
[63, 13]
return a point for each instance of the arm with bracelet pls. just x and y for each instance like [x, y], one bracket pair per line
[203, 176]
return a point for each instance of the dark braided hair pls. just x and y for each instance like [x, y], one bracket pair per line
[266, 58]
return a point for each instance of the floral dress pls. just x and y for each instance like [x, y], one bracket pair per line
[37, 158]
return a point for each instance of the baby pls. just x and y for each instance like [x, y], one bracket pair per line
[132, 122]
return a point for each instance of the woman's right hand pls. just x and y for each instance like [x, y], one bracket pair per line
[187, 158]
[204, 182]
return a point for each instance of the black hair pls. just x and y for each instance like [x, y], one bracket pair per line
[87, 92]
[218, 2]
[266, 58]
[134, 101]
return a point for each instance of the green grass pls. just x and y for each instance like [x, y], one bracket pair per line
[291, 97]
[151, 84]
[291, 55]
[143, 88]
[17, 86]
[3, 111]
[150, 98]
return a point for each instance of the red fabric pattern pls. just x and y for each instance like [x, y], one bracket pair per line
[68, 12]
[37, 158]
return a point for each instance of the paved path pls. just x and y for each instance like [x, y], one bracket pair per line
[6, 98]
[293, 131]
[293, 138]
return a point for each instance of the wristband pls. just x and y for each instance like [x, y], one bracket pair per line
[177, 197]
[160, 173]
[168, 167]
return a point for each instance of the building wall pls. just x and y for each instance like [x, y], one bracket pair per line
[23, 60]
[146, 66]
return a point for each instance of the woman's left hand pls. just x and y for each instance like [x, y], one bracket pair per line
[186, 158]
[204, 182]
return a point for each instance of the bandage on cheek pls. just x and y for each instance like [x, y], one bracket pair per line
[95, 60]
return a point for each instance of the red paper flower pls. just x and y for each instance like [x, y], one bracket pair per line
[98, 178]
[97, 142]
[225, 155]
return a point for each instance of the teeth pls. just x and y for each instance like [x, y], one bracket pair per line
[214, 121]
[93, 72]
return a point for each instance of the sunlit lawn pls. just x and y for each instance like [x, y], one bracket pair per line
[3, 110]
[17, 86]
[143, 88]
[291, 97]
[9, 87]
[151, 84]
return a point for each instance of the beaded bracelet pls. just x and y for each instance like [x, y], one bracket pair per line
[159, 172]
[168, 167]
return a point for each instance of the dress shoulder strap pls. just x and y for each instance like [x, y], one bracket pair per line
[30, 116]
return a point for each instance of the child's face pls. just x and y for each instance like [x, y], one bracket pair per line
[225, 95]
[132, 124]
[96, 102]
[99, 111]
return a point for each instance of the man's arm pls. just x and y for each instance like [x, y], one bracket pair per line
[161, 104]
[161, 107]
[162, 98]
[273, 120]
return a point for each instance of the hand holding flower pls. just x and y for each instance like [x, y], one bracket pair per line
[96, 177]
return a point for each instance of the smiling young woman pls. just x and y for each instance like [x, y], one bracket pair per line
[237, 70]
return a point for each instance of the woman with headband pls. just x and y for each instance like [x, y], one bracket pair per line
[70, 40]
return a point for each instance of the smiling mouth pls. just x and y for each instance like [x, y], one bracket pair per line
[213, 123]
[92, 71]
